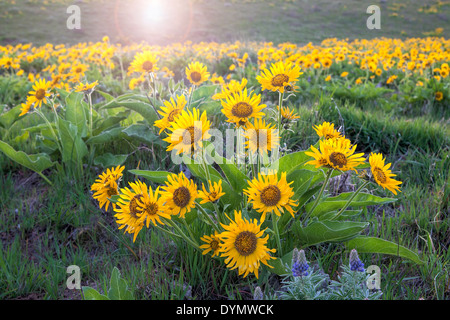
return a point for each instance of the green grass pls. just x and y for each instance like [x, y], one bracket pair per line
[216, 20]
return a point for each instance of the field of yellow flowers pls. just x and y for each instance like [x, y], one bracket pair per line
[234, 170]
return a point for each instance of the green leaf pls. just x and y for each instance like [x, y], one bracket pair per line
[328, 231]
[281, 265]
[118, 287]
[375, 245]
[106, 136]
[74, 149]
[36, 162]
[338, 202]
[143, 133]
[9, 117]
[110, 160]
[76, 112]
[155, 176]
[144, 109]
[92, 294]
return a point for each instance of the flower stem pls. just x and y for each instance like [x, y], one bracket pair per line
[277, 233]
[350, 200]
[211, 222]
[327, 178]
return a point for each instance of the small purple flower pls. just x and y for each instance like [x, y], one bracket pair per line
[355, 263]
[299, 264]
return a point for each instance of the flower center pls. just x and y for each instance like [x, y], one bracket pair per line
[173, 114]
[338, 159]
[78, 70]
[40, 94]
[196, 76]
[181, 197]
[214, 245]
[270, 195]
[192, 135]
[112, 191]
[242, 110]
[151, 209]
[279, 80]
[147, 66]
[245, 243]
[133, 206]
[380, 175]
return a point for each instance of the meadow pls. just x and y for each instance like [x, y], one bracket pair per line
[84, 116]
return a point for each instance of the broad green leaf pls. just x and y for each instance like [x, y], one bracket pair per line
[301, 181]
[281, 265]
[376, 245]
[110, 160]
[36, 162]
[118, 287]
[92, 294]
[76, 112]
[338, 202]
[106, 136]
[74, 149]
[328, 231]
[107, 124]
[155, 176]
[144, 109]
[9, 117]
[143, 133]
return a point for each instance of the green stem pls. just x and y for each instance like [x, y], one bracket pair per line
[211, 222]
[51, 129]
[280, 105]
[181, 233]
[350, 200]
[330, 171]
[277, 233]
[167, 231]
[45, 178]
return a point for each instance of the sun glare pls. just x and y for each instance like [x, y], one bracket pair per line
[154, 11]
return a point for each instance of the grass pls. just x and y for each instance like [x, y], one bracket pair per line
[43, 230]
[217, 20]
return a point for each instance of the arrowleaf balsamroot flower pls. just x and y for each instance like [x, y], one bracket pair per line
[244, 246]
[106, 186]
[269, 194]
[197, 73]
[214, 193]
[381, 173]
[179, 194]
[280, 75]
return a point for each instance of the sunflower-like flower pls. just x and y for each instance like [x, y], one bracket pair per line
[129, 213]
[25, 107]
[106, 186]
[197, 73]
[188, 131]
[326, 130]
[281, 75]
[151, 206]
[40, 93]
[240, 107]
[212, 244]
[144, 63]
[287, 115]
[261, 137]
[213, 194]
[231, 87]
[244, 246]
[269, 194]
[439, 96]
[336, 153]
[179, 194]
[86, 88]
[170, 112]
[381, 173]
